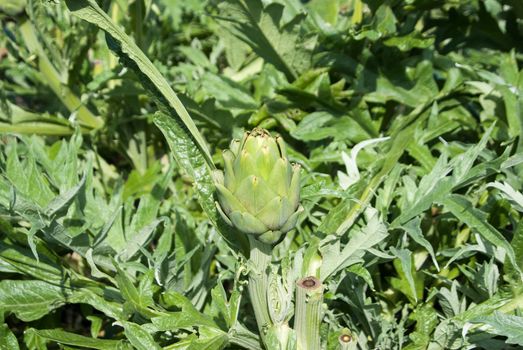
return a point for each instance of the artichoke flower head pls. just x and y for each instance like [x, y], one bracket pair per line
[259, 190]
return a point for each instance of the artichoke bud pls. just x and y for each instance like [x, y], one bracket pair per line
[259, 190]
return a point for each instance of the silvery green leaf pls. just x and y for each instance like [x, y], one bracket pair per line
[405, 257]
[501, 324]
[510, 193]
[353, 175]
[139, 337]
[335, 260]
[413, 229]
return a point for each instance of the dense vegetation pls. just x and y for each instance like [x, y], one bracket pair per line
[405, 116]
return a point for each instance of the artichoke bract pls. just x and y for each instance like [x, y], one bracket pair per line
[259, 189]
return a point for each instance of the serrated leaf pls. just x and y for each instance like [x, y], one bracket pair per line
[426, 320]
[145, 221]
[31, 300]
[335, 260]
[510, 193]
[139, 301]
[64, 199]
[223, 308]
[139, 338]
[413, 229]
[405, 258]
[460, 207]
[433, 186]
[26, 178]
[463, 163]
[504, 325]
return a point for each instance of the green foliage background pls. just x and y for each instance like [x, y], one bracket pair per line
[114, 113]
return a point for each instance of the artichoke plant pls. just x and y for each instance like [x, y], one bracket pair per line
[259, 189]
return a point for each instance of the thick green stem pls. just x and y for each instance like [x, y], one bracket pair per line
[308, 313]
[260, 257]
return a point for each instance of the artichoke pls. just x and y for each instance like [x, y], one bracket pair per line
[259, 190]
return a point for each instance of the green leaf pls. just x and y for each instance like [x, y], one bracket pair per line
[507, 191]
[53, 77]
[26, 177]
[413, 229]
[335, 260]
[7, 339]
[101, 302]
[31, 300]
[384, 20]
[323, 125]
[420, 89]
[22, 260]
[426, 320]
[96, 325]
[188, 318]
[210, 339]
[406, 271]
[139, 238]
[504, 325]
[33, 341]
[144, 221]
[517, 243]
[431, 188]
[383, 24]
[56, 232]
[139, 301]
[64, 199]
[139, 338]
[362, 272]
[226, 309]
[463, 163]
[279, 44]
[462, 209]
[229, 94]
[327, 10]
[12, 7]
[61, 337]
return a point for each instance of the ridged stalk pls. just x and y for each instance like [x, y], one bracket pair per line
[260, 257]
[308, 313]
